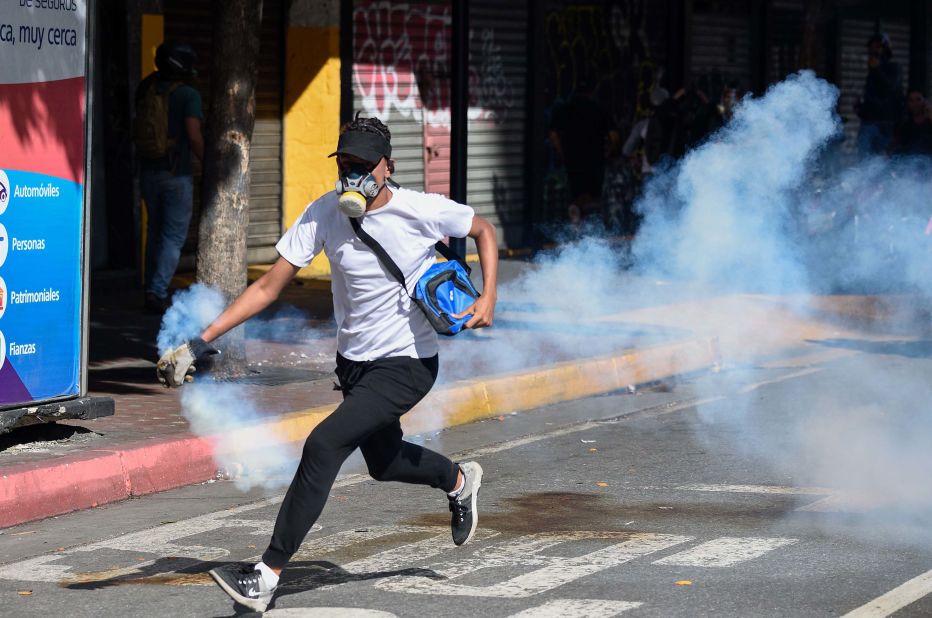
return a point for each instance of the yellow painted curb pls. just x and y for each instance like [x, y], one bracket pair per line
[472, 400]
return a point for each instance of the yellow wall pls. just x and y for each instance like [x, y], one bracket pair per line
[153, 32]
[312, 119]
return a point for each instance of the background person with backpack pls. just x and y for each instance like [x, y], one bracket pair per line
[166, 132]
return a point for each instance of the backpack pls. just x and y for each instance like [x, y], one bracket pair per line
[150, 126]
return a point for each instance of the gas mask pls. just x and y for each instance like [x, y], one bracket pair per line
[356, 185]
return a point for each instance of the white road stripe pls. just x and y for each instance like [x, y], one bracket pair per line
[896, 599]
[553, 571]
[790, 376]
[570, 429]
[577, 608]
[327, 612]
[835, 500]
[760, 489]
[725, 551]
[847, 502]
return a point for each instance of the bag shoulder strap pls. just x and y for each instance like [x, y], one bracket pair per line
[389, 263]
[380, 252]
[451, 255]
[442, 247]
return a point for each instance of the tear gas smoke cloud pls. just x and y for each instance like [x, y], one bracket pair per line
[765, 206]
[249, 452]
[726, 222]
[191, 311]
[253, 455]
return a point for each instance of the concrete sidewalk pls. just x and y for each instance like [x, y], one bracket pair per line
[147, 447]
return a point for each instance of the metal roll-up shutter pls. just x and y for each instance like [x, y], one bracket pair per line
[786, 27]
[928, 91]
[497, 118]
[191, 21]
[401, 75]
[720, 42]
[853, 37]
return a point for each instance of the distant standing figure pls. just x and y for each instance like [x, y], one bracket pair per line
[651, 138]
[166, 132]
[578, 133]
[879, 107]
[913, 135]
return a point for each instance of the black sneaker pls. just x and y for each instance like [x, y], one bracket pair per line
[465, 507]
[244, 584]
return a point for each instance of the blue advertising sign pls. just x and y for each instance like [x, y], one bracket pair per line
[42, 186]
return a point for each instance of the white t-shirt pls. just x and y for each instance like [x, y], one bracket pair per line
[375, 317]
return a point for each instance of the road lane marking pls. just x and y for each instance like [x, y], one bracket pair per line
[811, 358]
[789, 376]
[834, 500]
[895, 600]
[760, 489]
[577, 608]
[160, 540]
[553, 571]
[327, 612]
[726, 551]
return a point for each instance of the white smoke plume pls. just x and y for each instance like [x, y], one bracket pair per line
[759, 208]
[191, 311]
[726, 222]
[244, 449]
[764, 207]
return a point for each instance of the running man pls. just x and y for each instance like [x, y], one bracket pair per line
[386, 349]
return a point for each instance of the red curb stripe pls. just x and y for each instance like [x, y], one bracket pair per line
[38, 490]
[167, 465]
[74, 483]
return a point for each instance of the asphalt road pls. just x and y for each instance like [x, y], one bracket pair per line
[703, 498]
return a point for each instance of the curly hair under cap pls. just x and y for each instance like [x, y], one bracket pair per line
[367, 125]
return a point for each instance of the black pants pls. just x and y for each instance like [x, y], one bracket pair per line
[375, 395]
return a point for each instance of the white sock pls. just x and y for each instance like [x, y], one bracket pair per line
[458, 489]
[268, 575]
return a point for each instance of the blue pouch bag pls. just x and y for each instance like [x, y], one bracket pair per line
[441, 292]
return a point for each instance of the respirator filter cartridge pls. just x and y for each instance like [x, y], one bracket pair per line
[352, 204]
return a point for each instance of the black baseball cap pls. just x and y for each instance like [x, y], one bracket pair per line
[366, 145]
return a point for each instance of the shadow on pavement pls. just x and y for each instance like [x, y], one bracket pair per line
[299, 577]
[35, 434]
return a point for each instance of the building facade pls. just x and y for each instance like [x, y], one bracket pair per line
[324, 60]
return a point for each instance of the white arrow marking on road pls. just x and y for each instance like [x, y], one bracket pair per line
[555, 571]
[896, 599]
[577, 608]
[725, 551]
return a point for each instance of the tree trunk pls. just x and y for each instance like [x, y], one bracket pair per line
[221, 251]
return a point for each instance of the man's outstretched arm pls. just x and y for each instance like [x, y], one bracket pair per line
[254, 299]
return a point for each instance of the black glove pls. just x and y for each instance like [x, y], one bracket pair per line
[177, 366]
